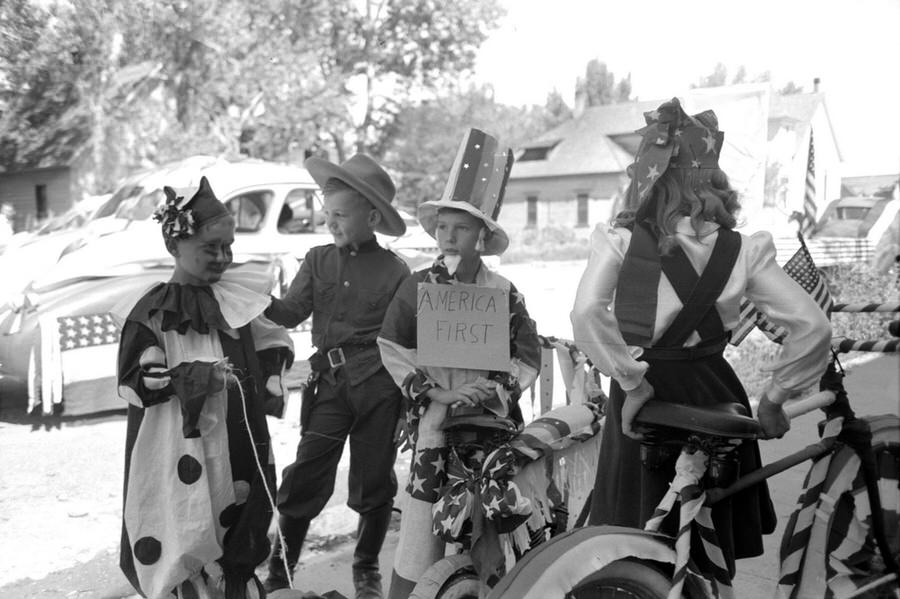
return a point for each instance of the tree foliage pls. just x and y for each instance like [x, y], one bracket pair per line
[719, 77]
[153, 80]
[599, 87]
[426, 137]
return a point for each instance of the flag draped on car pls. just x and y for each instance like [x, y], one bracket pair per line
[77, 353]
[803, 270]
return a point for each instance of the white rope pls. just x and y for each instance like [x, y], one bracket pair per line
[265, 483]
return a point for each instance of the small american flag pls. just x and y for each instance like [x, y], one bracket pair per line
[802, 269]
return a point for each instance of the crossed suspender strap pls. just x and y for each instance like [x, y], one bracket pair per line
[698, 294]
[637, 289]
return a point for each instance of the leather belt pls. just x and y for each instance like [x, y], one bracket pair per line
[334, 358]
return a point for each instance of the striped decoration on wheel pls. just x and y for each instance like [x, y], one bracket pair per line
[796, 536]
[831, 532]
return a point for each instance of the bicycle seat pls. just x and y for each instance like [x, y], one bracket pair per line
[723, 420]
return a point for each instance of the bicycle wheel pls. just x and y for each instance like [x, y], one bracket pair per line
[462, 585]
[854, 559]
[623, 579]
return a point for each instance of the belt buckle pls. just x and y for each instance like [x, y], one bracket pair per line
[335, 357]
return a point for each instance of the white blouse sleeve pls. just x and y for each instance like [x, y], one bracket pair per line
[594, 323]
[804, 354]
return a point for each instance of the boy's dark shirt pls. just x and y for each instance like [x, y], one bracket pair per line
[346, 291]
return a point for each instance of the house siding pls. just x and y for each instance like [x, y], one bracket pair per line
[19, 189]
[557, 200]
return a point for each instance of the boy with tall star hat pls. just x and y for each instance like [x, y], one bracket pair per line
[464, 224]
[346, 287]
[198, 365]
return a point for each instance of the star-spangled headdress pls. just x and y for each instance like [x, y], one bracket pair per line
[673, 139]
[476, 185]
[180, 218]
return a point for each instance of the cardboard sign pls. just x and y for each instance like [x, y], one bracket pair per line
[463, 326]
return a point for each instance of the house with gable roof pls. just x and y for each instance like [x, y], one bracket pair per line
[574, 175]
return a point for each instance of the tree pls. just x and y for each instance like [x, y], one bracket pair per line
[599, 87]
[715, 79]
[426, 135]
[556, 110]
[149, 81]
[791, 88]
[377, 58]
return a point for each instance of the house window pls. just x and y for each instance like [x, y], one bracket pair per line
[531, 217]
[40, 201]
[582, 210]
[539, 152]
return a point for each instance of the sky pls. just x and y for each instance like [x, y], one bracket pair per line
[852, 46]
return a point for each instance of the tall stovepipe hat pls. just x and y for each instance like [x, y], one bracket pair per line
[476, 185]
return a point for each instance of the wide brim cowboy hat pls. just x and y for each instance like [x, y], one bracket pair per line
[476, 185]
[364, 175]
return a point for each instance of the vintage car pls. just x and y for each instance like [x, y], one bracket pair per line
[279, 218]
[58, 353]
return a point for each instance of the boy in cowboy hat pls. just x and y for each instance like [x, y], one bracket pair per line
[346, 287]
[464, 223]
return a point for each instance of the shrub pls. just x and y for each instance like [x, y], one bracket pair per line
[548, 243]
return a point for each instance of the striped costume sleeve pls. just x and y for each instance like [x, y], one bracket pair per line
[140, 362]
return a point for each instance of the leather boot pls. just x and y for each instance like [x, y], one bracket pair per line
[373, 527]
[294, 533]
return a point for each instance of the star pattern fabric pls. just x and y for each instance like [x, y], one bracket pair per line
[673, 139]
[491, 486]
[89, 330]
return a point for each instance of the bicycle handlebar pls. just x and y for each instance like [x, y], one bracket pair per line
[815, 401]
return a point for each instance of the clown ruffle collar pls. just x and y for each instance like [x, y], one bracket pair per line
[223, 305]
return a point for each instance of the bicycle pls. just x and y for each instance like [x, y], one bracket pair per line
[849, 549]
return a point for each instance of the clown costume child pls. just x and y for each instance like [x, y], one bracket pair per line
[197, 364]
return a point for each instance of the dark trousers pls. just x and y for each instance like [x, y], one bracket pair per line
[367, 413]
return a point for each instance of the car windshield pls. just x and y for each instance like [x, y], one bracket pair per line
[131, 202]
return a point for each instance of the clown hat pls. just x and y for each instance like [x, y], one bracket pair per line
[476, 185]
[181, 217]
[365, 176]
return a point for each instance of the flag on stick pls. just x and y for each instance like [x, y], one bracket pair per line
[802, 269]
[808, 224]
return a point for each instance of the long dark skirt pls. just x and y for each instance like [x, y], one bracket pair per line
[626, 493]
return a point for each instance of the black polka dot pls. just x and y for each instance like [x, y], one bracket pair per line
[147, 550]
[189, 469]
[229, 515]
